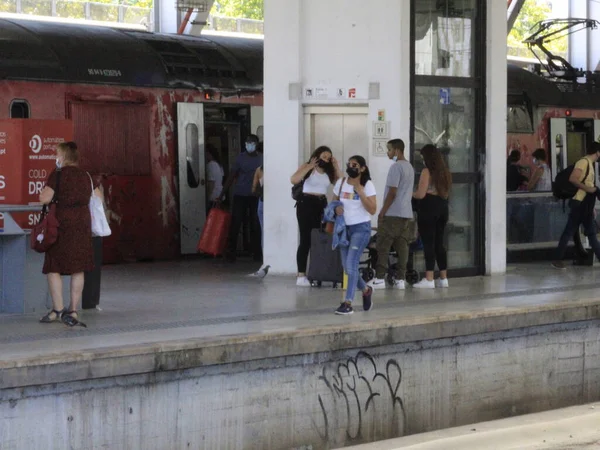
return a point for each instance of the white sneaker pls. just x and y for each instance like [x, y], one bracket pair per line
[399, 284]
[303, 282]
[424, 284]
[377, 283]
[441, 283]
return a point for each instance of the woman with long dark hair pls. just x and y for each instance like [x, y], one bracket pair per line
[432, 216]
[320, 172]
[358, 199]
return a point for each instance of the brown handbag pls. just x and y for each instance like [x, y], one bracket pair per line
[45, 233]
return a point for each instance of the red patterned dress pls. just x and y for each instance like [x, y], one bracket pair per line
[72, 252]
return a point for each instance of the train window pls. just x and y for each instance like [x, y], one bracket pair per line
[192, 155]
[19, 109]
[518, 119]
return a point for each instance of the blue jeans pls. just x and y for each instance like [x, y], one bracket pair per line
[259, 212]
[580, 213]
[359, 236]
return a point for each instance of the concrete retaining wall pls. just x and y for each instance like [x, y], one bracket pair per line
[316, 401]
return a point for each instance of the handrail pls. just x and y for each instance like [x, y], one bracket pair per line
[19, 208]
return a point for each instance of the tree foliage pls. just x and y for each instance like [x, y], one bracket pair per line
[101, 10]
[534, 11]
[240, 9]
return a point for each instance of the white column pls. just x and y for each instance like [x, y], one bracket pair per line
[495, 167]
[283, 131]
[165, 16]
[594, 38]
[578, 42]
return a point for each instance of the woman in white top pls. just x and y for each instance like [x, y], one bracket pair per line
[214, 171]
[316, 175]
[541, 180]
[359, 202]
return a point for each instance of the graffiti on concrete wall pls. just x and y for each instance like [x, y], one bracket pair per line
[357, 388]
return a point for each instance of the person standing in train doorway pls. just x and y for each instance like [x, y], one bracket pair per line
[245, 203]
[581, 206]
[395, 222]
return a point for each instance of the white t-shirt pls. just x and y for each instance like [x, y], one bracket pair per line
[316, 183]
[215, 173]
[354, 211]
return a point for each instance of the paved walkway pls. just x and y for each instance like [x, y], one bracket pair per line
[574, 428]
[157, 303]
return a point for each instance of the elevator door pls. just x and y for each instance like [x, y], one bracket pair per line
[192, 191]
[344, 130]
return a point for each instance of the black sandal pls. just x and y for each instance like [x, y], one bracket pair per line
[69, 320]
[57, 316]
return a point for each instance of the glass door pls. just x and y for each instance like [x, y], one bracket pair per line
[448, 110]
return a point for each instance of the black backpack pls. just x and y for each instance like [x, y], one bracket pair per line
[562, 188]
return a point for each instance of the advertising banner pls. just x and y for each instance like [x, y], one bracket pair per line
[27, 157]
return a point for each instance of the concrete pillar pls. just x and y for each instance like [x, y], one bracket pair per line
[578, 42]
[165, 16]
[331, 44]
[495, 164]
[594, 38]
[283, 132]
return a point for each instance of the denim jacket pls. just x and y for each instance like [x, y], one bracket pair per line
[340, 234]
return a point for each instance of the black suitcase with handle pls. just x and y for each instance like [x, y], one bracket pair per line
[324, 264]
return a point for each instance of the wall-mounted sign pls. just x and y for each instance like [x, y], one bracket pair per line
[381, 115]
[332, 92]
[380, 147]
[381, 130]
[445, 96]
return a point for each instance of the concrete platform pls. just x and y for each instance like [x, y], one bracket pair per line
[577, 427]
[264, 353]
[169, 316]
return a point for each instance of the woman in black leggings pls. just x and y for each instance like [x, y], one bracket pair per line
[432, 216]
[316, 176]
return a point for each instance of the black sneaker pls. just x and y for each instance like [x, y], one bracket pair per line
[367, 302]
[345, 309]
[559, 265]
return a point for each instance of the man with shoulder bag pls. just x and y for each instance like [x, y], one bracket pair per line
[581, 206]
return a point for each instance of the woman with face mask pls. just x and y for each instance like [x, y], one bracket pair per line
[541, 180]
[317, 175]
[72, 254]
[245, 203]
[359, 202]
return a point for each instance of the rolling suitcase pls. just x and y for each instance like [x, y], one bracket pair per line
[324, 264]
[215, 234]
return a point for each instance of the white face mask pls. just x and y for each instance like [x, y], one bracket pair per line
[250, 147]
[535, 161]
[58, 163]
[395, 158]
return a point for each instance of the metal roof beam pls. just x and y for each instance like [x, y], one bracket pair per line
[514, 9]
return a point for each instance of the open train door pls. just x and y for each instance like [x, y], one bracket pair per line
[558, 146]
[192, 183]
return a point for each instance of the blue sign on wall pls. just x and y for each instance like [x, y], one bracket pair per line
[445, 96]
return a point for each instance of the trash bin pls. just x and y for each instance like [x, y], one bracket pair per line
[91, 288]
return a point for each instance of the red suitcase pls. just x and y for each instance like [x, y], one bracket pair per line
[213, 240]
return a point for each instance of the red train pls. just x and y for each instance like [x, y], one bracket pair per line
[562, 118]
[142, 106]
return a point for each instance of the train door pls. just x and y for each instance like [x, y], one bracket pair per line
[192, 193]
[558, 145]
[343, 129]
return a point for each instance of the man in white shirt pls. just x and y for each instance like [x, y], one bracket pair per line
[395, 221]
[214, 175]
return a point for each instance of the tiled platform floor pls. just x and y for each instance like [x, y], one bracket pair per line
[157, 303]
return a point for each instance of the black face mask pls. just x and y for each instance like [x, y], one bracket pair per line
[352, 172]
[322, 164]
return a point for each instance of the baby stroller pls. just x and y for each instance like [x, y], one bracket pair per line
[367, 265]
